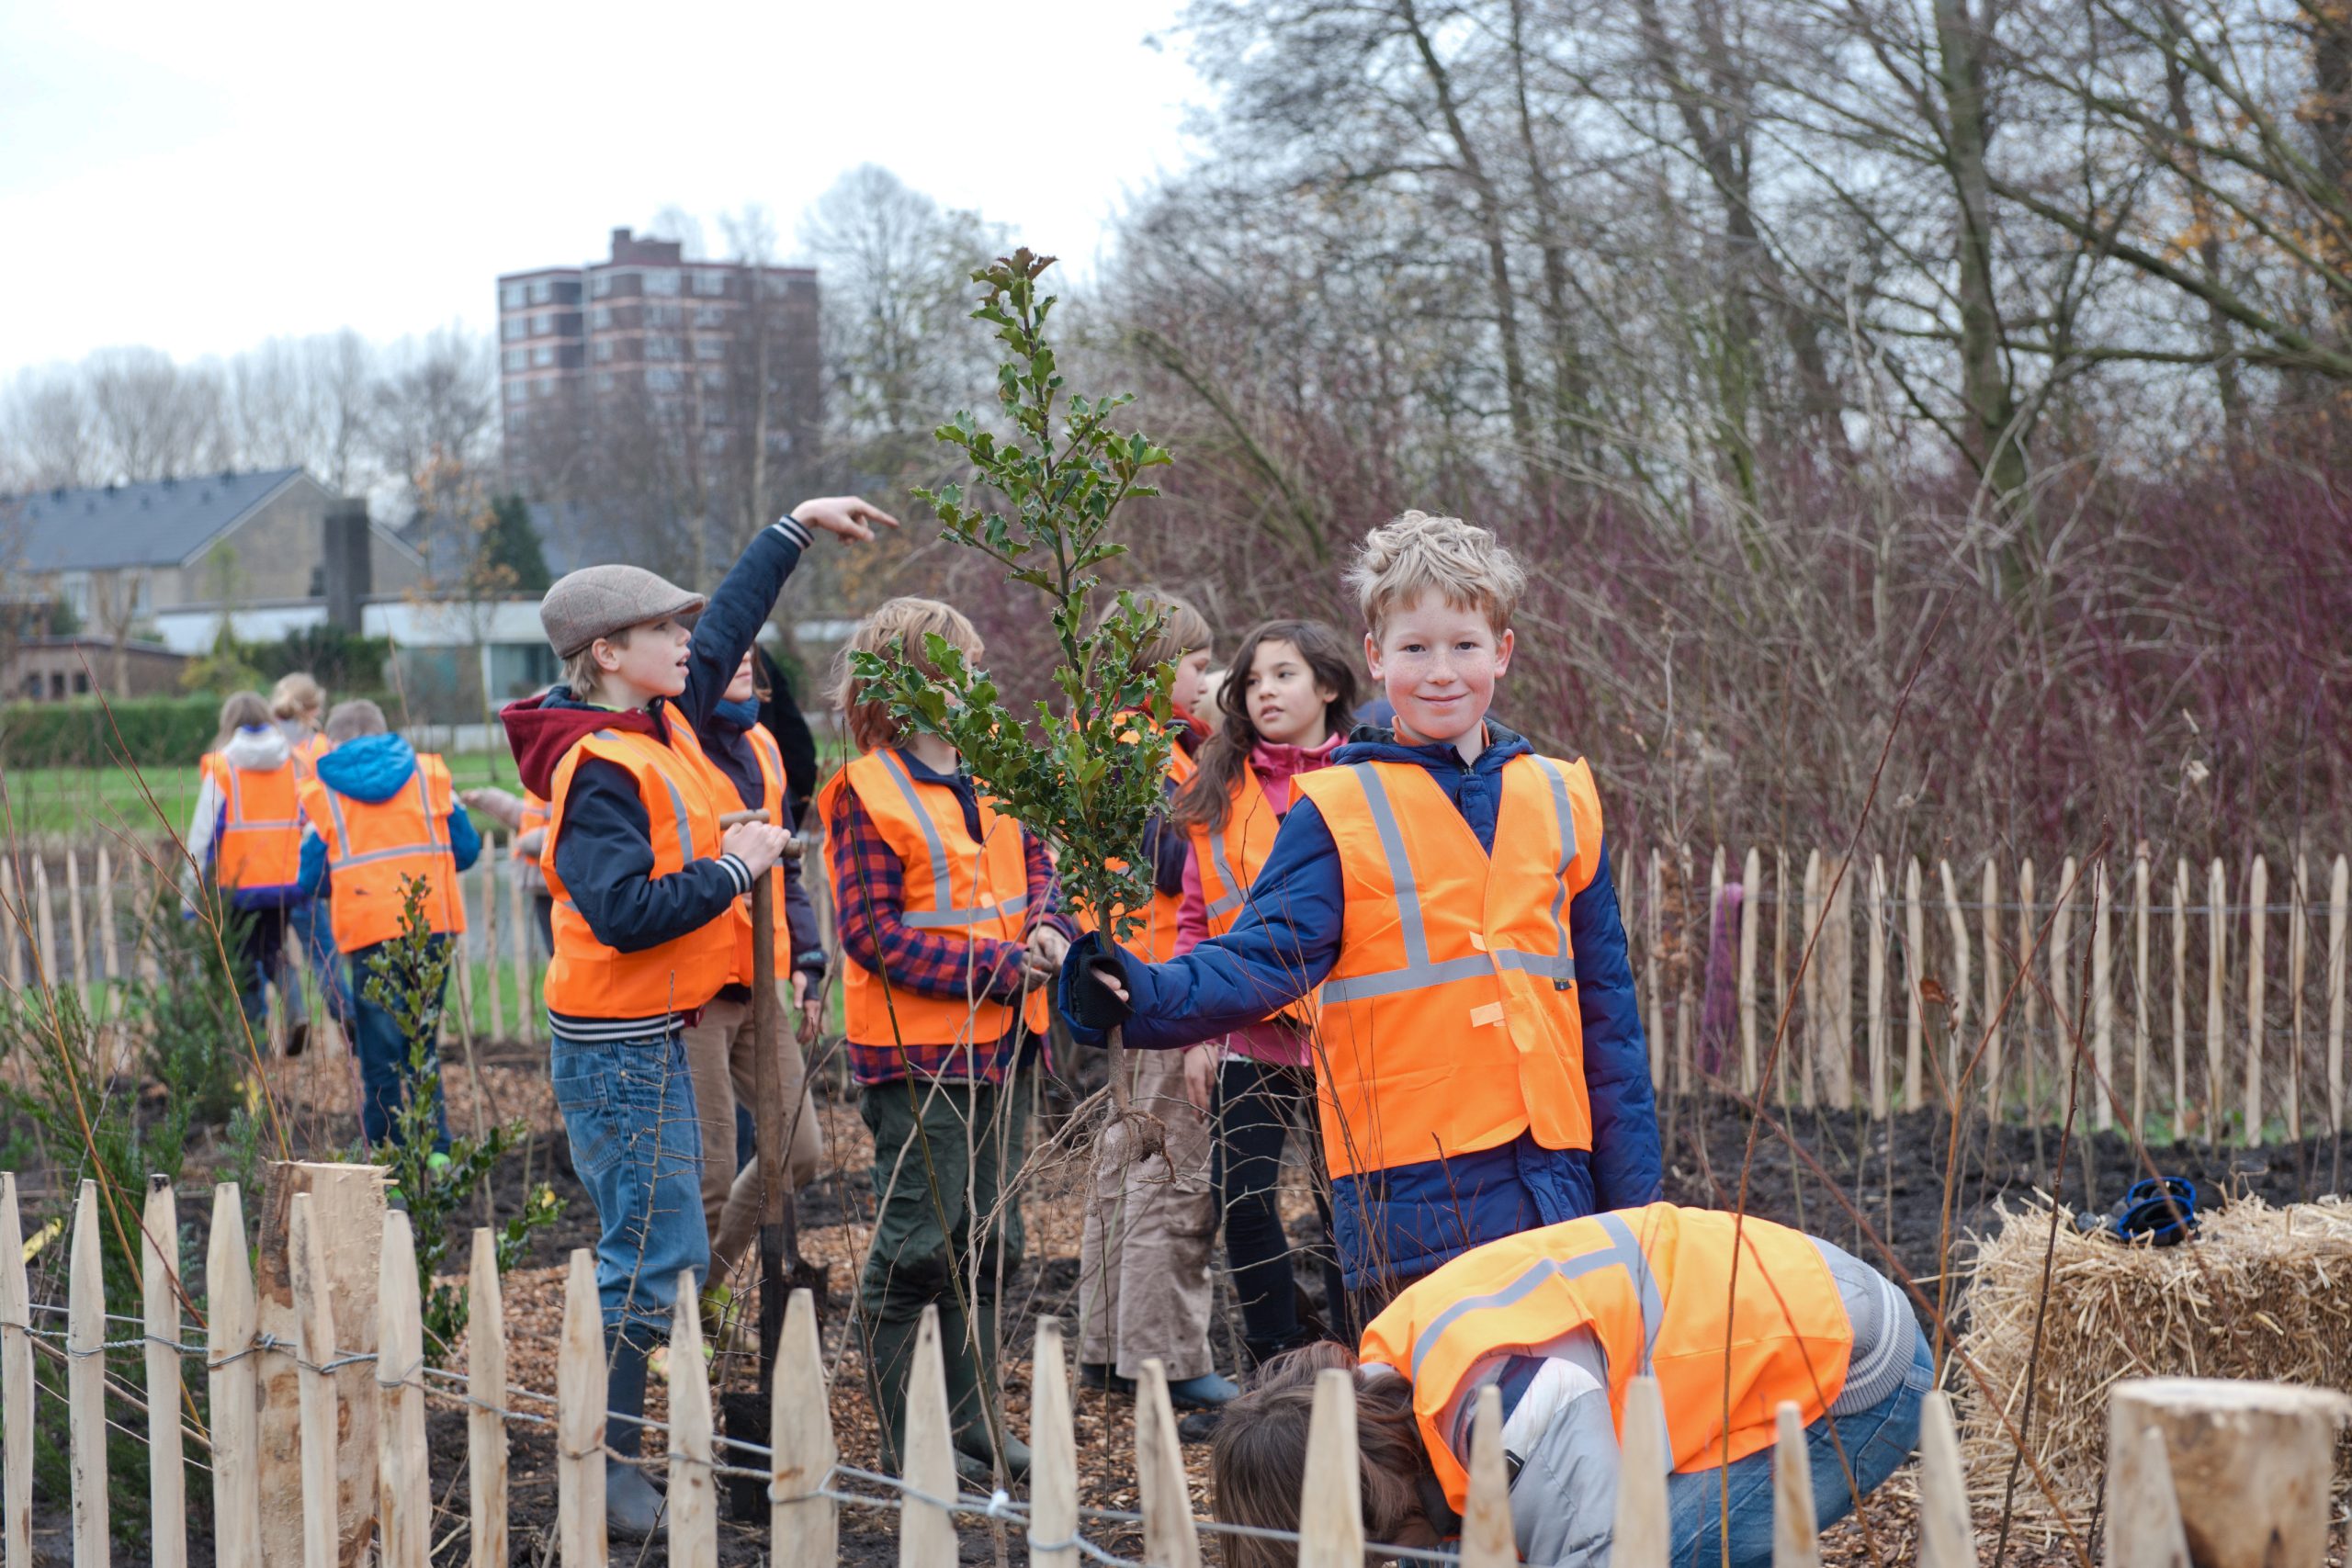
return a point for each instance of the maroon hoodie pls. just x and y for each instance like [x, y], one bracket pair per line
[541, 729]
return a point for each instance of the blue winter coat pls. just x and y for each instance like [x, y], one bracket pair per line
[374, 768]
[1396, 1223]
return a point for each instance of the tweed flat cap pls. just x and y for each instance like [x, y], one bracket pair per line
[597, 600]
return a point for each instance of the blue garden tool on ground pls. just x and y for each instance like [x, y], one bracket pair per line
[2159, 1210]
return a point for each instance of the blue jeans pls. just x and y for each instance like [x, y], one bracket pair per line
[1876, 1440]
[314, 928]
[628, 1108]
[383, 1060]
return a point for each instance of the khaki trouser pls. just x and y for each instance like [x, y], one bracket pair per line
[721, 1055]
[1143, 1268]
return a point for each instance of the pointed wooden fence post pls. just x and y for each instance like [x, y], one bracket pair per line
[1751, 911]
[803, 1523]
[45, 922]
[1053, 1465]
[2217, 940]
[1956, 1052]
[2297, 898]
[1839, 945]
[1877, 994]
[1170, 1537]
[1644, 1536]
[1788, 1041]
[486, 1387]
[1796, 1530]
[2030, 1021]
[405, 1490]
[2143, 1513]
[1330, 1495]
[2140, 992]
[693, 1488]
[159, 1300]
[314, 1328]
[1946, 1533]
[2339, 893]
[77, 950]
[2250, 1463]
[2102, 1000]
[1487, 1538]
[14, 926]
[1653, 929]
[580, 1420]
[2180, 1001]
[16, 1380]
[1914, 969]
[524, 949]
[2061, 973]
[492, 972]
[1990, 920]
[927, 1530]
[233, 1379]
[1810, 1044]
[2258, 916]
[85, 1383]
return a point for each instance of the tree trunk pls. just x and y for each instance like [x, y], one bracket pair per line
[2209, 254]
[1997, 444]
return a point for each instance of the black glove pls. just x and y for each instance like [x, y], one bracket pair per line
[1088, 1005]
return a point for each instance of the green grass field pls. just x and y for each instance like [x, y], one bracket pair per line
[88, 801]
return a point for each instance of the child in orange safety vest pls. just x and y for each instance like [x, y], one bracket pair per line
[376, 815]
[947, 934]
[299, 705]
[245, 838]
[648, 895]
[1559, 1321]
[1444, 892]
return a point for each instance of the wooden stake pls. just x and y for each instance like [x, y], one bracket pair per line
[524, 949]
[494, 973]
[1840, 1058]
[2217, 940]
[12, 918]
[2102, 1000]
[2140, 992]
[2030, 1031]
[85, 1383]
[159, 1301]
[1752, 901]
[926, 1531]
[580, 1420]
[405, 1491]
[1914, 970]
[2142, 1514]
[1644, 1533]
[2180, 1001]
[1816, 1027]
[1878, 915]
[693, 1488]
[1991, 923]
[1685, 1014]
[1781, 967]
[78, 950]
[1946, 1535]
[2339, 893]
[2295, 923]
[2257, 896]
[45, 921]
[1487, 1538]
[486, 1386]
[233, 1379]
[1651, 930]
[314, 1322]
[2250, 1463]
[1053, 1464]
[1796, 1530]
[16, 1383]
[1330, 1495]
[2062, 972]
[1170, 1538]
[110, 945]
[1954, 1052]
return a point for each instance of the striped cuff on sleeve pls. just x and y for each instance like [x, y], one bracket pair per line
[734, 867]
[792, 529]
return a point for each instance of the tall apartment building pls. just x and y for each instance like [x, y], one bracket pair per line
[647, 341]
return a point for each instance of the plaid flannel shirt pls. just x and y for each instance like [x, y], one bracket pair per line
[870, 894]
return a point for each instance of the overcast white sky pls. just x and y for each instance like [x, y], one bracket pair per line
[202, 177]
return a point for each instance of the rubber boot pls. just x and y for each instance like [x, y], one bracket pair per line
[972, 1376]
[890, 1357]
[632, 1504]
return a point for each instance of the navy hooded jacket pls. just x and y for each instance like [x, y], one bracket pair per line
[1394, 1225]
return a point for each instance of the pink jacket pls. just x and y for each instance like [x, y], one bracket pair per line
[1275, 766]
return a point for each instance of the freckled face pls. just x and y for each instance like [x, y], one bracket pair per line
[1440, 665]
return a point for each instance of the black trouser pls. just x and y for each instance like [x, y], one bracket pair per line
[1258, 1106]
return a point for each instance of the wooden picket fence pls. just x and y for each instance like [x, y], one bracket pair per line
[2198, 999]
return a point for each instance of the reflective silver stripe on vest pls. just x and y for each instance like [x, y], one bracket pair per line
[1559, 782]
[1624, 1252]
[237, 822]
[342, 833]
[944, 913]
[428, 848]
[677, 805]
[1237, 894]
[1419, 973]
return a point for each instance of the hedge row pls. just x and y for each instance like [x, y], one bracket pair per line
[85, 733]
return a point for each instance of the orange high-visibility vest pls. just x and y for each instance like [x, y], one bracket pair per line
[1229, 860]
[587, 980]
[535, 816]
[1450, 1020]
[1656, 1287]
[1154, 940]
[957, 887]
[372, 845]
[260, 841]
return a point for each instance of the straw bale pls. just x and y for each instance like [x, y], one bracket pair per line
[2263, 1294]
